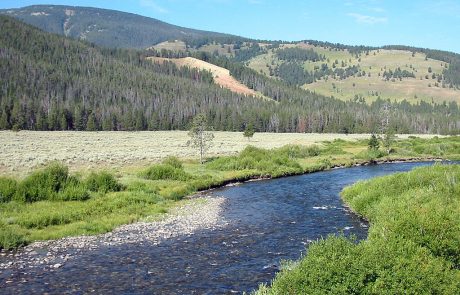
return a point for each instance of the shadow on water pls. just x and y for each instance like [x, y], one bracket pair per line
[270, 221]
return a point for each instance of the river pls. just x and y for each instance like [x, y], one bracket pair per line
[269, 221]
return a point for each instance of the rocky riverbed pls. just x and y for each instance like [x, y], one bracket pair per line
[198, 214]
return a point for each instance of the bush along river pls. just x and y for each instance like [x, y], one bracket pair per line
[231, 243]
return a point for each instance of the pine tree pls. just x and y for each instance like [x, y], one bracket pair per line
[4, 121]
[63, 122]
[78, 119]
[388, 139]
[373, 143]
[107, 124]
[91, 124]
[249, 131]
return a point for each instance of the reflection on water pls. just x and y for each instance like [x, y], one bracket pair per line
[271, 221]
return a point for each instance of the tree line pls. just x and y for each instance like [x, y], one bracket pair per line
[54, 83]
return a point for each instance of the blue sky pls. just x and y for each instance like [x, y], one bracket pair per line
[421, 23]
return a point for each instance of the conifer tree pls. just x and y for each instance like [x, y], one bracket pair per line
[249, 131]
[91, 124]
[373, 143]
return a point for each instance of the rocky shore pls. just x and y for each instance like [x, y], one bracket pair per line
[199, 214]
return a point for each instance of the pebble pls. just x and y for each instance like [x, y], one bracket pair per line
[184, 221]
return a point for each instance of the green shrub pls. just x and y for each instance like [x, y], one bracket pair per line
[433, 147]
[369, 155]
[55, 184]
[297, 151]
[266, 162]
[10, 238]
[8, 188]
[74, 192]
[173, 161]
[326, 163]
[334, 147]
[43, 185]
[336, 265]
[102, 182]
[167, 172]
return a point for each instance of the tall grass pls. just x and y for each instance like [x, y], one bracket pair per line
[264, 162]
[49, 197]
[436, 147]
[54, 183]
[8, 188]
[102, 182]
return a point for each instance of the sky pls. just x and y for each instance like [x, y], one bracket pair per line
[421, 23]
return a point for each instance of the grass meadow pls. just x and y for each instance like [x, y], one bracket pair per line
[23, 152]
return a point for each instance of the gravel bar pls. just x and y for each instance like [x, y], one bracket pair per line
[203, 213]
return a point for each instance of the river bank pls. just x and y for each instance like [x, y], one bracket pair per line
[201, 213]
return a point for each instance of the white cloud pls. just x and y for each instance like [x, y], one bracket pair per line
[151, 4]
[367, 19]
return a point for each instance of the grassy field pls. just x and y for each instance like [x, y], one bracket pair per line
[373, 86]
[24, 151]
[120, 177]
[413, 245]
[411, 89]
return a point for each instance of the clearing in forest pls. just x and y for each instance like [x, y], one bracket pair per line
[221, 75]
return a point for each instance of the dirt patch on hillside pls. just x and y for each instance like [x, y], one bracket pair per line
[221, 75]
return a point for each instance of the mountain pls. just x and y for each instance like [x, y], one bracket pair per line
[110, 28]
[51, 82]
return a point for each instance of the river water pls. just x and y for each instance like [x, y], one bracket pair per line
[269, 221]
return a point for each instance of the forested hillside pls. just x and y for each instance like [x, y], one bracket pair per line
[54, 83]
[110, 28]
[360, 73]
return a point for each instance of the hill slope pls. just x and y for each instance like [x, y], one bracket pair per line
[357, 73]
[360, 75]
[109, 28]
